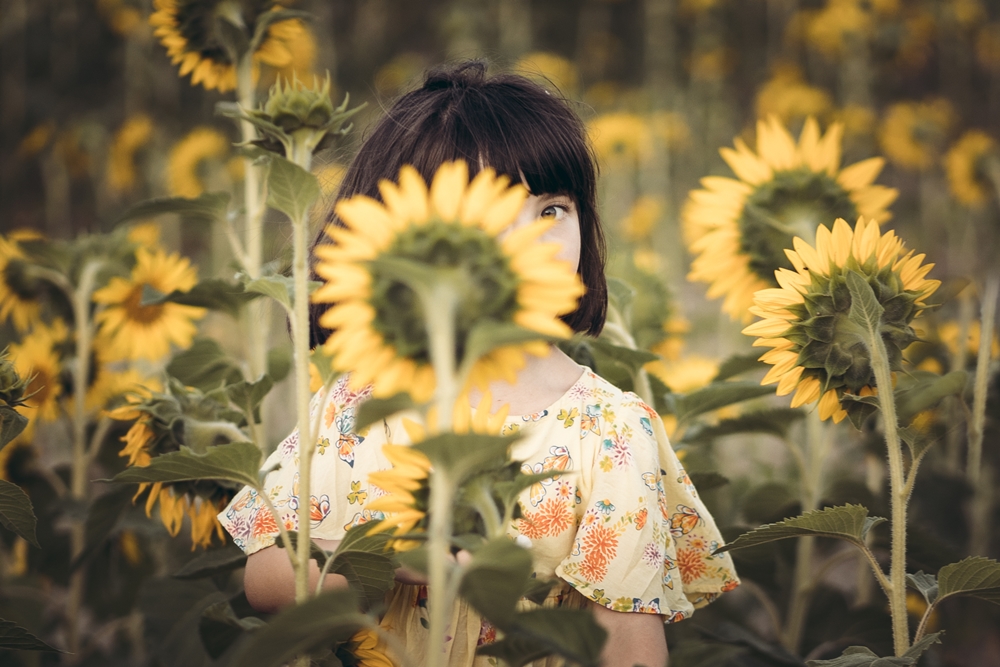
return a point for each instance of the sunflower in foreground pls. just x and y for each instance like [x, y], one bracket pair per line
[130, 330]
[506, 277]
[968, 164]
[189, 31]
[813, 350]
[738, 229]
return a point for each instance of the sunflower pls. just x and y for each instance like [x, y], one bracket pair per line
[146, 234]
[36, 357]
[739, 229]
[832, 29]
[17, 301]
[109, 385]
[130, 330]
[189, 31]
[379, 323]
[187, 156]
[549, 69]
[131, 136]
[368, 651]
[912, 133]
[620, 136]
[812, 349]
[787, 95]
[968, 166]
[686, 374]
[642, 217]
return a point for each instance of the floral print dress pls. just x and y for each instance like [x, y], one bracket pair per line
[622, 527]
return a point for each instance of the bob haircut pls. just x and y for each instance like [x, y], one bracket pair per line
[503, 121]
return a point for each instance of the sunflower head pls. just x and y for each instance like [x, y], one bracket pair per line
[457, 232]
[406, 493]
[12, 385]
[18, 290]
[912, 134]
[814, 346]
[739, 229]
[971, 164]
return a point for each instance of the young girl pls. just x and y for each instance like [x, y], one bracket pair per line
[624, 531]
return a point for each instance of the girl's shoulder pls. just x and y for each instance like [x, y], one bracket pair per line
[593, 395]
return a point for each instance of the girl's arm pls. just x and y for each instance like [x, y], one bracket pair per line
[270, 583]
[633, 638]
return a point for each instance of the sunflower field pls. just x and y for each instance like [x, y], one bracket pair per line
[802, 206]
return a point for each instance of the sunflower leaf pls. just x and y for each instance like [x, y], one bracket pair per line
[376, 409]
[775, 422]
[12, 423]
[316, 552]
[219, 627]
[862, 656]
[925, 583]
[360, 538]
[738, 364]
[570, 633]
[206, 207]
[462, 455]
[103, 516]
[866, 311]
[16, 513]
[494, 581]
[846, 522]
[631, 359]
[919, 647]
[249, 395]
[205, 366]
[212, 562]
[926, 390]
[975, 576]
[718, 395]
[488, 336]
[16, 638]
[214, 294]
[313, 625]
[369, 574]
[236, 462]
[291, 189]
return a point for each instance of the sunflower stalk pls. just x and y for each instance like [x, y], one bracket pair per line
[974, 463]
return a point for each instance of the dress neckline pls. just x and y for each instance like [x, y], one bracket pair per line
[585, 371]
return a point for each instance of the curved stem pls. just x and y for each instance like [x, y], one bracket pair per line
[922, 627]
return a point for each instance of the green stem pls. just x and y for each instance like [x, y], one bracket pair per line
[615, 329]
[989, 310]
[897, 493]
[78, 478]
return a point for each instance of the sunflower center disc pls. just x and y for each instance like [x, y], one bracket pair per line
[139, 313]
[792, 204]
[488, 286]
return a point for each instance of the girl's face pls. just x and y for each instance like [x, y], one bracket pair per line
[565, 231]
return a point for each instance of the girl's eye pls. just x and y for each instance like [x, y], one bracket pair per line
[556, 211]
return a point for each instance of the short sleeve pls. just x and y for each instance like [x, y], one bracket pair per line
[339, 487]
[638, 517]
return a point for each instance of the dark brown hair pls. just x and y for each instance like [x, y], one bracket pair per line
[503, 121]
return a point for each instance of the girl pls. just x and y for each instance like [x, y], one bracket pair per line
[625, 534]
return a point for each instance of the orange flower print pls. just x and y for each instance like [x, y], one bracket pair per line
[640, 518]
[553, 517]
[264, 524]
[593, 570]
[331, 413]
[691, 565]
[730, 585]
[697, 544]
[684, 521]
[600, 544]
[319, 509]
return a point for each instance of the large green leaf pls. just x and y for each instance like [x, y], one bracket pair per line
[205, 366]
[925, 583]
[570, 633]
[219, 627]
[773, 422]
[12, 423]
[923, 390]
[847, 522]
[359, 538]
[291, 189]
[495, 580]
[738, 364]
[718, 395]
[316, 552]
[212, 562]
[236, 462]
[206, 207]
[16, 513]
[329, 617]
[975, 576]
[370, 574]
[631, 359]
[462, 455]
[14, 637]
[376, 409]
[279, 288]
[214, 294]
[862, 656]
[249, 395]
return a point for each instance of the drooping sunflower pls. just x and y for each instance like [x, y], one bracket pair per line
[189, 31]
[912, 134]
[379, 323]
[130, 137]
[738, 229]
[188, 155]
[967, 164]
[110, 384]
[130, 330]
[813, 351]
[18, 301]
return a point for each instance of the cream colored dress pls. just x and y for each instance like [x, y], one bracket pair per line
[622, 527]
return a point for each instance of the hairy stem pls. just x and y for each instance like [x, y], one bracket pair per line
[989, 310]
[78, 479]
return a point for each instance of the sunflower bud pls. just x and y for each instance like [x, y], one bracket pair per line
[12, 385]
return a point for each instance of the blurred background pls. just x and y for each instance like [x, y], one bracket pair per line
[94, 118]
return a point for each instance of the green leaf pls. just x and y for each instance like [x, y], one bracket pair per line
[775, 422]
[236, 462]
[358, 538]
[508, 492]
[319, 358]
[316, 552]
[860, 656]
[926, 391]
[918, 648]
[219, 627]
[706, 481]
[299, 630]
[718, 395]
[205, 366]
[925, 583]
[976, 576]
[12, 423]
[620, 295]
[291, 189]
[916, 440]
[570, 633]
[16, 513]
[206, 207]
[214, 294]
[866, 311]
[369, 574]
[462, 455]
[376, 409]
[103, 517]
[847, 522]
[496, 578]
[738, 364]
[631, 359]
[279, 362]
[488, 336]
[16, 638]
[249, 395]
[279, 288]
[212, 562]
